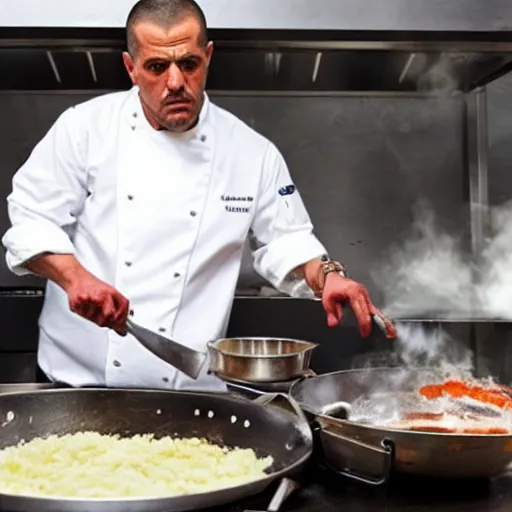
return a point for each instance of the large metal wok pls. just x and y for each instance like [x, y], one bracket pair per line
[368, 453]
[271, 425]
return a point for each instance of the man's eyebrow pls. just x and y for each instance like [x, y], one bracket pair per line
[167, 58]
[189, 55]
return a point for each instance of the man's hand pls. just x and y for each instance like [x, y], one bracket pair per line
[88, 296]
[98, 302]
[338, 290]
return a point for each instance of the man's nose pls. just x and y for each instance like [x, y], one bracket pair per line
[175, 79]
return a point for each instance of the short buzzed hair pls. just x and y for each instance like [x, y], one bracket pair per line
[164, 13]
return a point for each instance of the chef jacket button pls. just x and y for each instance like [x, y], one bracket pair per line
[193, 213]
[130, 197]
[128, 263]
[202, 138]
[135, 114]
[117, 363]
[177, 274]
[165, 379]
[133, 127]
[161, 329]
[131, 312]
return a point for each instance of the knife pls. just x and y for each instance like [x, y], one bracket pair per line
[186, 360]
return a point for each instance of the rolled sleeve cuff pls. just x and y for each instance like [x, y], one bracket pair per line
[276, 261]
[23, 243]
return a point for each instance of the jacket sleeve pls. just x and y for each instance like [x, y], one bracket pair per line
[282, 229]
[48, 192]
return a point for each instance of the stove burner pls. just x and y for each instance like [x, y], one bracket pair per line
[265, 387]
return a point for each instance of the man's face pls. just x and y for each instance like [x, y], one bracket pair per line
[170, 68]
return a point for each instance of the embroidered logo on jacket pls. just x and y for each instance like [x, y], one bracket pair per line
[287, 191]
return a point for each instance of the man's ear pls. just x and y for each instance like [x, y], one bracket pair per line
[128, 64]
[209, 51]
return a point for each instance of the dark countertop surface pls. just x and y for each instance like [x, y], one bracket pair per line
[323, 491]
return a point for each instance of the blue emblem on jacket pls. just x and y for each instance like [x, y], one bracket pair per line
[287, 191]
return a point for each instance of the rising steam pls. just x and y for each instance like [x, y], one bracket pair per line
[428, 274]
[417, 345]
[494, 291]
[431, 276]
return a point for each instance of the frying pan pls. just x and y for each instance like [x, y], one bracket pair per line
[271, 425]
[369, 453]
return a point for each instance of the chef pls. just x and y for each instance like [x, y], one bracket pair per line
[139, 203]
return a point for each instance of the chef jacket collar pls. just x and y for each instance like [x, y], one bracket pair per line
[138, 120]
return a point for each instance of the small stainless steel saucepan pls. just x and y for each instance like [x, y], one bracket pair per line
[260, 359]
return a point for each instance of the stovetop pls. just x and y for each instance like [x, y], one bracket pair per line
[322, 491]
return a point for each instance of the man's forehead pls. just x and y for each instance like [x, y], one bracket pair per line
[182, 36]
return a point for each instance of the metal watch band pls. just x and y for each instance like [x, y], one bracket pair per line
[329, 265]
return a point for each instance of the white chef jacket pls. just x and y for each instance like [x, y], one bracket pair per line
[163, 218]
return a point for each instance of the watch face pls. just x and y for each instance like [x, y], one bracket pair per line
[329, 267]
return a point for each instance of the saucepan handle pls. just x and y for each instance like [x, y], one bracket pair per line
[307, 375]
[286, 402]
[339, 450]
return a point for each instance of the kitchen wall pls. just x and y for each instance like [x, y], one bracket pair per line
[360, 162]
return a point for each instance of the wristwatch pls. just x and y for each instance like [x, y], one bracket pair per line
[329, 265]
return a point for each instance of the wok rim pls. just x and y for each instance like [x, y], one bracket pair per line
[383, 430]
[262, 482]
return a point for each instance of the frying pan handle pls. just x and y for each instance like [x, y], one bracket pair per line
[341, 448]
[283, 401]
[286, 487]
